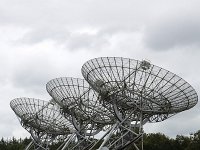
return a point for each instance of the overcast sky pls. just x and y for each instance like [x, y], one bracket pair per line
[44, 39]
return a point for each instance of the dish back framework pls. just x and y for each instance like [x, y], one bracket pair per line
[80, 105]
[42, 119]
[119, 95]
[138, 90]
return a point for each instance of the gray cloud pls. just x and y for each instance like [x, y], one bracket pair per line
[173, 31]
[57, 21]
[71, 40]
[31, 76]
[38, 35]
[87, 41]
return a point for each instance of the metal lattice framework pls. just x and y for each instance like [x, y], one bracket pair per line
[42, 119]
[117, 95]
[138, 89]
[79, 103]
[162, 92]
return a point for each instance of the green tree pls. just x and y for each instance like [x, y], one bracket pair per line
[157, 141]
[3, 144]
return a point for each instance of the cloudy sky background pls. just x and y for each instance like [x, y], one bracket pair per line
[41, 40]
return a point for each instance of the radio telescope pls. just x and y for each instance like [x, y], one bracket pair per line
[80, 105]
[41, 119]
[138, 91]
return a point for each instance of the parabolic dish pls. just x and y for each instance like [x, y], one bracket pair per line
[75, 95]
[152, 89]
[41, 115]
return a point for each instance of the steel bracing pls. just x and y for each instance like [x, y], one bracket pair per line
[138, 89]
[42, 119]
[79, 103]
[117, 96]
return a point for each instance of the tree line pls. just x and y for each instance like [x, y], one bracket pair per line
[159, 141]
[152, 141]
